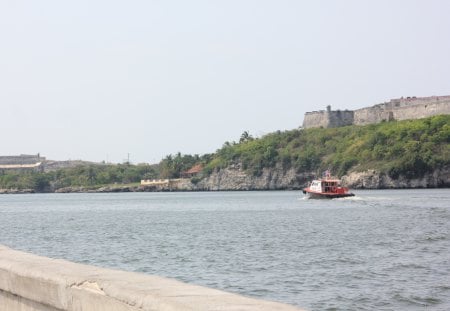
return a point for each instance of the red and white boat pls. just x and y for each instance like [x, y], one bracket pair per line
[326, 188]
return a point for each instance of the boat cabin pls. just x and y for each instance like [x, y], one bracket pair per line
[326, 186]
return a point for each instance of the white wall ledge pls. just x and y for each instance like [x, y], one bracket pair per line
[34, 283]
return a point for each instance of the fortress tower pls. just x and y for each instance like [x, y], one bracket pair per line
[328, 118]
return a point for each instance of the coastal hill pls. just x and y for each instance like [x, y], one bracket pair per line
[398, 154]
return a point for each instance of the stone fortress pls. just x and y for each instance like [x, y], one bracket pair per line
[393, 110]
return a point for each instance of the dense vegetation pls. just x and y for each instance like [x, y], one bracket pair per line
[407, 148]
[83, 175]
[410, 148]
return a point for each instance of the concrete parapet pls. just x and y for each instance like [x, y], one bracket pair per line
[33, 283]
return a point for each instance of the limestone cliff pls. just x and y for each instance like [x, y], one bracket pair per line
[234, 178]
[372, 179]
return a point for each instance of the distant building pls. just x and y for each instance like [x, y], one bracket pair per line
[22, 162]
[192, 172]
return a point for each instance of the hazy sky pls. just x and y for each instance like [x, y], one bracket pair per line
[95, 80]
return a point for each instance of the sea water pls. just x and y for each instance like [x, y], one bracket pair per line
[380, 250]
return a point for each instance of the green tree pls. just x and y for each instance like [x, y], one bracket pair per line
[245, 137]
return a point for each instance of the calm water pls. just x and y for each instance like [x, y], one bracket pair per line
[382, 250]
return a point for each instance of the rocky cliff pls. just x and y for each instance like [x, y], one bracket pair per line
[234, 178]
[372, 179]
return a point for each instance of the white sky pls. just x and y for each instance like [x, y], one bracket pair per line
[95, 80]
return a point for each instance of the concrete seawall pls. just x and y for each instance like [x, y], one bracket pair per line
[33, 283]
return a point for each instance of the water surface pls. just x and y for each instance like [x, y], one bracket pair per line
[381, 250]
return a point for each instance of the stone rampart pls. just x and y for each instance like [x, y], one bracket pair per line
[339, 118]
[315, 119]
[33, 283]
[329, 118]
[395, 109]
[375, 114]
[412, 101]
[421, 111]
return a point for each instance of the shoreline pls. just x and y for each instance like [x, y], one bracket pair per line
[127, 189]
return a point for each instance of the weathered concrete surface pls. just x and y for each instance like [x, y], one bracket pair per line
[33, 283]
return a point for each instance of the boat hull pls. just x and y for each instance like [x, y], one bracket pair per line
[322, 195]
[326, 188]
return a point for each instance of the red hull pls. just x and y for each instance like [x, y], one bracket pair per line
[326, 195]
[326, 188]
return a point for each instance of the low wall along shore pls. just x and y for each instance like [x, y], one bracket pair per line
[33, 283]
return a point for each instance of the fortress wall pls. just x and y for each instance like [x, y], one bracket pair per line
[370, 115]
[340, 118]
[316, 119]
[421, 111]
[411, 101]
[395, 109]
[379, 113]
[33, 283]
